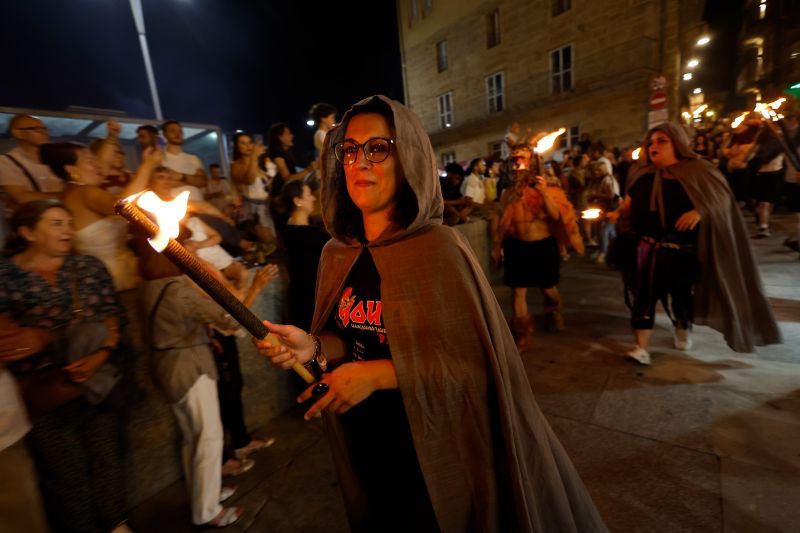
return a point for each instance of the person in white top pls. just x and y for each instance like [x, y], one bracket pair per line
[188, 165]
[472, 186]
[255, 183]
[23, 177]
[511, 139]
[204, 241]
[20, 503]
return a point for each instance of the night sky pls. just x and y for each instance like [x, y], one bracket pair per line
[241, 64]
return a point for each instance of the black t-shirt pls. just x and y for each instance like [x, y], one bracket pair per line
[358, 319]
[377, 429]
[676, 203]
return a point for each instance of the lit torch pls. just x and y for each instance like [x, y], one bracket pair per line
[738, 120]
[771, 116]
[544, 144]
[162, 239]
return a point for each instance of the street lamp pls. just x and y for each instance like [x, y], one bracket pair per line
[698, 90]
[704, 40]
[309, 123]
[693, 62]
[687, 76]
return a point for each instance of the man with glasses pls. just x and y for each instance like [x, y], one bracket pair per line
[23, 178]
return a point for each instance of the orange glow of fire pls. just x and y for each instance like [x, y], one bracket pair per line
[738, 120]
[768, 110]
[636, 154]
[168, 215]
[590, 214]
[546, 142]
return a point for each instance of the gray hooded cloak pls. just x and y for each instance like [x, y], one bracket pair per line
[489, 458]
[728, 296]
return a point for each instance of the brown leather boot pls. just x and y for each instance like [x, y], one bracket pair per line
[553, 316]
[521, 328]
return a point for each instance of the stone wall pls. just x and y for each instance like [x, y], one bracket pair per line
[153, 434]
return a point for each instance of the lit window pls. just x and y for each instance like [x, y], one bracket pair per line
[448, 157]
[762, 9]
[446, 109]
[560, 6]
[493, 29]
[495, 90]
[561, 69]
[441, 55]
[496, 149]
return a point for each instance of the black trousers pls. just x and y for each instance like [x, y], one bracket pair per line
[665, 274]
[229, 389]
[78, 455]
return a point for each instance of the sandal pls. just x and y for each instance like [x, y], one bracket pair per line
[226, 492]
[237, 467]
[226, 517]
[253, 446]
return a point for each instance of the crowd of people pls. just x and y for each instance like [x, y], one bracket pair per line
[362, 212]
[73, 275]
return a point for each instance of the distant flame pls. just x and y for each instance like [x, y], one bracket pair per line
[168, 215]
[546, 142]
[636, 153]
[699, 110]
[777, 103]
[591, 214]
[768, 110]
[738, 120]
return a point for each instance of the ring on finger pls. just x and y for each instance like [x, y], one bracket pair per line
[320, 389]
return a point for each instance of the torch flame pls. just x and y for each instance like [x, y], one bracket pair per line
[777, 103]
[699, 110]
[768, 110]
[168, 215]
[590, 214]
[546, 142]
[636, 154]
[738, 120]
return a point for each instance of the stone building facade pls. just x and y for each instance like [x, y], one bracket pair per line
[585, 65]
[769, 49]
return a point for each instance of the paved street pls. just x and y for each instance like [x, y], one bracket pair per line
[705, 441]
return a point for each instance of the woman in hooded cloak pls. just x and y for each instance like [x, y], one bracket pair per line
[428, 409]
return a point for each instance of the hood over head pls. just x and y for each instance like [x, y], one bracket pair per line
[416, 161]
[680, 140]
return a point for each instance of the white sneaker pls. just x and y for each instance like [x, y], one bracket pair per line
[639, 355]
[682, 341]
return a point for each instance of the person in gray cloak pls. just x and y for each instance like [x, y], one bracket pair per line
[429, 412]
[687, 246]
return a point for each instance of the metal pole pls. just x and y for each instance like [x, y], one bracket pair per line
[138, 17]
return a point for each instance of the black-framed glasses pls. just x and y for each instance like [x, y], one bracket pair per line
[376, 150]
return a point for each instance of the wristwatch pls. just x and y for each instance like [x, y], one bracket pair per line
[318, 364]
